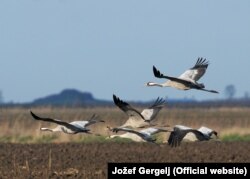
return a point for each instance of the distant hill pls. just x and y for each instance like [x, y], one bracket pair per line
[69, 97]
[73, 97]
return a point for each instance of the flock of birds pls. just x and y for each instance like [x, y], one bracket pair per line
[140, 126]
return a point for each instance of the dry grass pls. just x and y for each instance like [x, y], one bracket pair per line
[17, 125]
[69, 160]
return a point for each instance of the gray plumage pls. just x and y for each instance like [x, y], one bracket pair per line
[179, 132]
[69, 128]
[135, 118]
[187, 80]
[145, 134]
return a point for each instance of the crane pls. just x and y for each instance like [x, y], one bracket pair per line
[145, 134]
[187, 80]
[139, 119]
[180, 132]
[68, 128]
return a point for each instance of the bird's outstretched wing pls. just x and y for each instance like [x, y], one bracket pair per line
[59, 122]
[151, 130]
[129, 110]
[128, 130]
[150, 113]
[158, 74]
[211, 91]
[94, 119]
[197, 71]
[177, 136]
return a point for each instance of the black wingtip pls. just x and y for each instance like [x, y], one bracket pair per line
[96, 117]
[33, 115]
[213, 91]
[118, 102]
[159, 102]
[115, 99]
[201, 62]
[156, 72]
[172, 141]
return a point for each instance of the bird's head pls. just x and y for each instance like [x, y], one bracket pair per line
[213, 135]
[150, 84]
[153, 84]
[202, 85]
[109, 128]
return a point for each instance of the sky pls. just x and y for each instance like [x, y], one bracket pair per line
[109, 47]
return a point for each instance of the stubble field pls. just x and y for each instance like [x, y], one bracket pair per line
[26, 152]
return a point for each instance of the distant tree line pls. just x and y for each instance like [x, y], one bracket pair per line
[72, 98]
[230, 91]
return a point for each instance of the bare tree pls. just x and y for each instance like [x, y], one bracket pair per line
[246, 95]
[230, 91]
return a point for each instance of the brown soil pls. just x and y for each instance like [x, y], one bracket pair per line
[72, 160]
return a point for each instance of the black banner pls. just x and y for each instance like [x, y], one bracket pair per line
[163, 170]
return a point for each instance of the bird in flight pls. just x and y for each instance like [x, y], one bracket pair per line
[139, 119]
[69, 128]
[126, 135]
[180, 132]
[145, 134]
[188, 80]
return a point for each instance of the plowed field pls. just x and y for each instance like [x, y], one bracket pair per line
[79, 160]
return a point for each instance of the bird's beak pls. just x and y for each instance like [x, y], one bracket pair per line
[147, 84]
[109, 128]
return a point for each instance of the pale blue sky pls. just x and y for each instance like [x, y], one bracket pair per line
[108, 47]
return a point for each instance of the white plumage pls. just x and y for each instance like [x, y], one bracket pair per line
[127, 135]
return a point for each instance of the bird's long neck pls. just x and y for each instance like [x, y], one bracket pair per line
[113, 136]
[46, 129]
[157, 84]
[57, 129]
